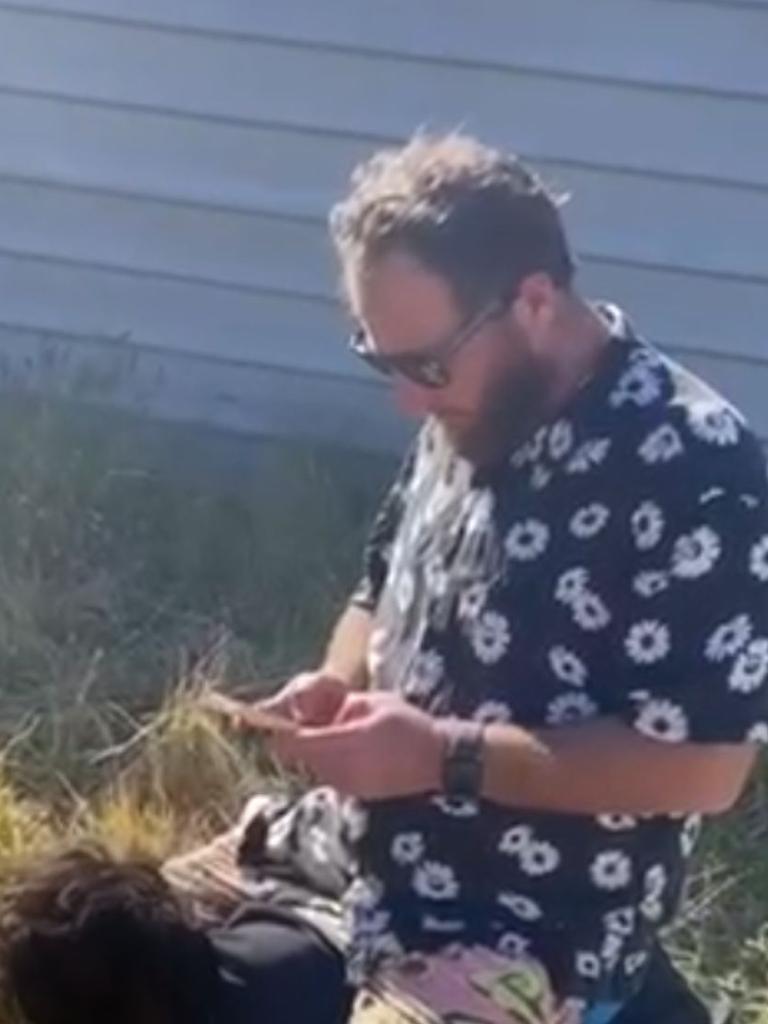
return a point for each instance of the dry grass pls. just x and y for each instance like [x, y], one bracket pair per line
[129, 580]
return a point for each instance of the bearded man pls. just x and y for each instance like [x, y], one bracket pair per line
[555, 664]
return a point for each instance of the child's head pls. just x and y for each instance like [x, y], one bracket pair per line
[87, 940]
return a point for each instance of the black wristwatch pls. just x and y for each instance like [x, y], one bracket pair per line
[463, 761]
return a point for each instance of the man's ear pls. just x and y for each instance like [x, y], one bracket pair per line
[535, 305]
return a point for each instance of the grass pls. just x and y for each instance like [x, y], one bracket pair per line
[140, 563]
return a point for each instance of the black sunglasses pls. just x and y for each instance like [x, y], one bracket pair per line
[429, 367]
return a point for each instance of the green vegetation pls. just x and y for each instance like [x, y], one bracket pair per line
[141, 563]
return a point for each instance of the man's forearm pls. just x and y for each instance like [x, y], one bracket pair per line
[604, 767]
[347, 653]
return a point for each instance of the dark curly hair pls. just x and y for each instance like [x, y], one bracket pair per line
[86, 939]
[477, 217]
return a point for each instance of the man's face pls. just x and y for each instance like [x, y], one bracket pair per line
[497, 380]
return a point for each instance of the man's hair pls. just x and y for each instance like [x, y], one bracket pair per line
[475, 216]
[89, 940]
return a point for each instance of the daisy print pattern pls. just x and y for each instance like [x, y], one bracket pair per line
[639, 386]
[591, 454]
[611, 869]
[621, 921]
[648, 642]
[568, 666]
[590, 612]
[650, 583]
[635, 962]
[690, 834]
[490, 637]
[635, 584]
[572, 585]
[456, 806]
[426, 675]
[435, 881]
[758, 560]
[512, 944]
[408, 848]
[652, 908]
[560, 439]
[655, 880]
[751, 667]
[717, 426]
[711, 494]
[647, 525]
[662, 445]
[729, 638]
[527, 540]
[617, 822]
[662, 720]
[521, 906]
[540, 477]
[531, 452]
[757, 733]
[588, 964]
[442, 926]
[695, 553]
[516, 840]
[611, 949]
[539, 858]
[587, 522]
[492, 711]
[536, 446]
[645, 355]
[571, 707]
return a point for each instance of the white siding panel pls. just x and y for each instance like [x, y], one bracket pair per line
[256, 251]
[246, 399]
[683, 224]
[639, 40]
[692, 312]
[217, 252]
[182, 316]
[297, 331]
[234, 165]
[581, 120]
[167, 166]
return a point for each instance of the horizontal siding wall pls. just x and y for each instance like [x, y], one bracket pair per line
[167, 166]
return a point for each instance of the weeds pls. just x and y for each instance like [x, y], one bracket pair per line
[140, 564]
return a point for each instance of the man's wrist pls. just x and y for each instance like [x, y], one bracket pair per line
[463, 758]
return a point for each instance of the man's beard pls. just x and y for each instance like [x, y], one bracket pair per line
[514, 406]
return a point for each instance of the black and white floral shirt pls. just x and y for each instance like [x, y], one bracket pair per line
[635, 586]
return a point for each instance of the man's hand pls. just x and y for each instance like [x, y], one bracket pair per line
[309, 699]
[378, 747]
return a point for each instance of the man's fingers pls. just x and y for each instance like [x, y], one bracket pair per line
[316, 747]
[354, 708]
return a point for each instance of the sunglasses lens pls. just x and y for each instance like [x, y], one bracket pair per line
[358, 343]
[431, 374]
[426, 373]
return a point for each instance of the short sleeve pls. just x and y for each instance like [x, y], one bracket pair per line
[689, 647]
[380, 539]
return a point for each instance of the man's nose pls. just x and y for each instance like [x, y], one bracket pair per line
[411, 399]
